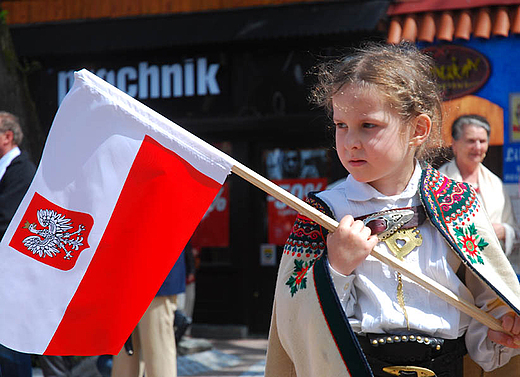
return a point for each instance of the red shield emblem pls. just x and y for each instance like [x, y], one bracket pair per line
[51, 234]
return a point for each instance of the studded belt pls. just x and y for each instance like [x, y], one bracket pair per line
[377, 340]
[395, 353]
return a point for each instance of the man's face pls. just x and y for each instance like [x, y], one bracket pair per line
[6, 142]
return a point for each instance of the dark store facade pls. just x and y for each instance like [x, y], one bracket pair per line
[238, 79]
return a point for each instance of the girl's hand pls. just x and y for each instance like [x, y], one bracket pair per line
[349, 245]
[511, 323]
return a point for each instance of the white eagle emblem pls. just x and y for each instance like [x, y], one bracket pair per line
[54, 236]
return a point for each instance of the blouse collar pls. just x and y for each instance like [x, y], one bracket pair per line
[358, 191]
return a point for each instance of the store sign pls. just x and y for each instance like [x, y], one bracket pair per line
[192, 77]
[280, 216]
[511, 165]
[267, 255]
[459, 70]
[514, 117]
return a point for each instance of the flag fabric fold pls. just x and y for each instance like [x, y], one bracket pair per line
[117, 195]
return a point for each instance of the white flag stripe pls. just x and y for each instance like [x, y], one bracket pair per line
[201, 155]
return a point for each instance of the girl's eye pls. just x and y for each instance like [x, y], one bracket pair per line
[368, 125]
[341, 125]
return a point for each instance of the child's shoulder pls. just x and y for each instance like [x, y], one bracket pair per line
[315, 199]
[333, 197]
[334, 191]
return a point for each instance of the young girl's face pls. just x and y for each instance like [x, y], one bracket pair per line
[371, 141]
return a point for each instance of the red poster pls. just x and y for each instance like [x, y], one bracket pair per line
[213, 230]
[280, 216]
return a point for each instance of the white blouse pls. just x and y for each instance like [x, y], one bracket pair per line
[369, 294]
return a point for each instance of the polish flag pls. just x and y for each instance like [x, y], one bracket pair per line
[117, 195]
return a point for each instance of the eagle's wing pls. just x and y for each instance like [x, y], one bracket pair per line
[56, 222]
[40, 246]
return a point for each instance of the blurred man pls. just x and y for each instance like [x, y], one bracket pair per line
[16, 174]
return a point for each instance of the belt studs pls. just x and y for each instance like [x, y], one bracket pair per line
[435, 343]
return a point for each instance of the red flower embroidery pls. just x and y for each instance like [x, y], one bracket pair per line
[470, 245]
[470, 242]
[298, 279]
[301, 274]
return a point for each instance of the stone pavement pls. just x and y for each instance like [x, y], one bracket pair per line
[200, 357]
[226, 357]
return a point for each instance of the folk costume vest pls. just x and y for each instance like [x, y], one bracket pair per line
[310, 334]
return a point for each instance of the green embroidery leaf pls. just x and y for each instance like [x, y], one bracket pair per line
[472, 229]
[459, 232]
[482, 244]
[298, 265]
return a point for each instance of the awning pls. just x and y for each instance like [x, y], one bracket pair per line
[458, 19]
[150, 32]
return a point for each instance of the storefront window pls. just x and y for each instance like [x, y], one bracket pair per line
[298, 171]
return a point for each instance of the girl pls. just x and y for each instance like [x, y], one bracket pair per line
[337, 307]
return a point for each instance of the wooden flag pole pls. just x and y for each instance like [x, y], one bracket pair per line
[330, 224]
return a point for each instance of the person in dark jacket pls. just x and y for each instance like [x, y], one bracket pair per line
[16, 169]
[16, 174]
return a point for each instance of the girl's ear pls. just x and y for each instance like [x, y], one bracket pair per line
[422, 127]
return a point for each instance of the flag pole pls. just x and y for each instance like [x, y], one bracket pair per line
[330, 224]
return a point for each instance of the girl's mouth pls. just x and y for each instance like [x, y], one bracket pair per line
[356, 162]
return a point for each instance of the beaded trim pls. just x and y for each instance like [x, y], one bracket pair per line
[377, 340]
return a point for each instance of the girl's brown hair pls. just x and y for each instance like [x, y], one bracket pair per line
[400, 72]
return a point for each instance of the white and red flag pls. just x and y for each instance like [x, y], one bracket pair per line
[117, 195]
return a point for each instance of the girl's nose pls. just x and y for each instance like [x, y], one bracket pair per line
[352, 140]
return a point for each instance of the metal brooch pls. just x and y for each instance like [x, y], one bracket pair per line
[394, 220]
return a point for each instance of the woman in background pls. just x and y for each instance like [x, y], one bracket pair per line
[470, 144]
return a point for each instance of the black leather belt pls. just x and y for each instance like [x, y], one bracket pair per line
[442, 356]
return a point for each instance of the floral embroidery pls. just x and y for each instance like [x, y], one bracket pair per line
[470, 242]
[307, 243]
[298, 279]
[307, 238]
[452, 206]
[449, 201]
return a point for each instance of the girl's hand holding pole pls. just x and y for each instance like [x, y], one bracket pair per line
[511, 324]
[349, 245]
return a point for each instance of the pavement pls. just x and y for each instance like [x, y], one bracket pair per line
[226, 357]
[198, 357]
